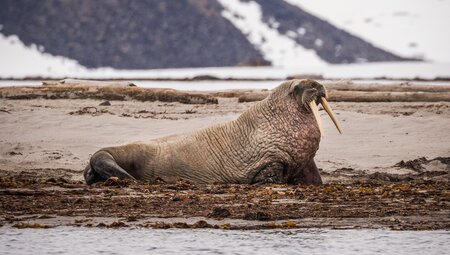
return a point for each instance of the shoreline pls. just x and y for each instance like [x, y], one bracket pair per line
[48, 203]
[208, 77]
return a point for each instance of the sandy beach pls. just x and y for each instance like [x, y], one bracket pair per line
[402, 148]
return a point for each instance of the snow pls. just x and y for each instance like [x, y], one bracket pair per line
[18, 60]
[279, 49]
[409, 28]
[57, 68]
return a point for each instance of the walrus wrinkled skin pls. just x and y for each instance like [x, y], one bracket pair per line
[274, 141]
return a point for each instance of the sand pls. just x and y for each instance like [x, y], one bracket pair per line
[57, 134]
[47, 143]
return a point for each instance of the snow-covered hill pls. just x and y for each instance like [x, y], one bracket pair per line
[147, 34]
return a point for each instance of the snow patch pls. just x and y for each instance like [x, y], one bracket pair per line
[18, 60]
[291, 34]
[409, 28]
[301, 31]
[318, 43]
[279, 49]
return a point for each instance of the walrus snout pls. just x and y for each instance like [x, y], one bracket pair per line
[310, 93]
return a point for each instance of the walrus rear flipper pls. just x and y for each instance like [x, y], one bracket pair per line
[102, 166]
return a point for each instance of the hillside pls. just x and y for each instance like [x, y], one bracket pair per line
[150, 34]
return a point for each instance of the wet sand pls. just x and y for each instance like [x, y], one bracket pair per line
[375, 174]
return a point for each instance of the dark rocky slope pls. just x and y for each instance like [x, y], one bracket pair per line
[130, 34]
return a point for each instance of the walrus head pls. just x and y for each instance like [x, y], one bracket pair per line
[309, 94]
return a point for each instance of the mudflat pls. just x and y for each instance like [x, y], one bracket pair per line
[390, 168]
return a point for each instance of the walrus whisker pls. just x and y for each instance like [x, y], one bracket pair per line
[330, 112]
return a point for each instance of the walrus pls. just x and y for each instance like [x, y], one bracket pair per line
[274, 141]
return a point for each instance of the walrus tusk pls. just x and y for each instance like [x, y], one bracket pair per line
[315, 110]
[330, 112]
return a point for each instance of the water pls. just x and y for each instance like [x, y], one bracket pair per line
[220, 85]
[179, 85]
[70, 240]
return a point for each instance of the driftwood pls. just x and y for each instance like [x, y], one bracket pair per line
[350, 86]
[106, 93]
[84, 83]
[253, 96]
[361, 96]
[119, 90]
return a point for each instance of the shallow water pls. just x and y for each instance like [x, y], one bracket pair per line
[218, 85]
[69, 240]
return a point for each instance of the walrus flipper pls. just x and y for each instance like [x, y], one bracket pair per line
[270, 173]
[102, 166]
[308, 175]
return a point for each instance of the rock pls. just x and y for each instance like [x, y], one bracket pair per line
[30, 225]
[219, 213]
[117, 224]
[105, 103]
[261, 216]
[204, 78]
[415, 164]
[180, 225]
[201, 224]
[384, 177]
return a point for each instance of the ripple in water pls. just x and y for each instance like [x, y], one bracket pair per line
[67, 240]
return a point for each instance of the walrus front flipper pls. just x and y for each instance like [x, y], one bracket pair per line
[102, 166]
[270, 173]
[308, 175]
